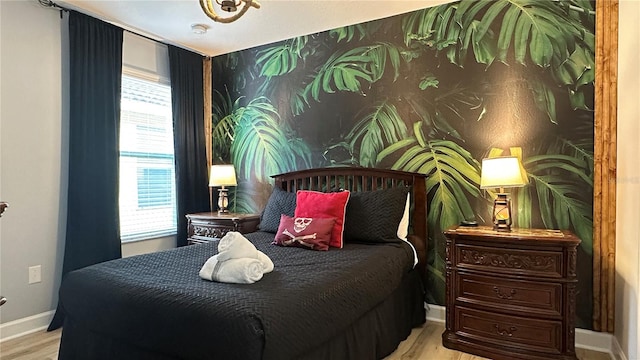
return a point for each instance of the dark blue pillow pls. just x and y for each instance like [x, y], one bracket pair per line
[280, 202]
[374, 216]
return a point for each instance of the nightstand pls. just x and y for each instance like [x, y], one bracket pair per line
[511, 295]
[207, 226]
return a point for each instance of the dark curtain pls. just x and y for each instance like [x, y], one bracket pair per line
[188, 131]
[93, 232]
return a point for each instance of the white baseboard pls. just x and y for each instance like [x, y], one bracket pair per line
[24, 326]
[436, 313]
[585, 339]
[618, 354]
[594, 340]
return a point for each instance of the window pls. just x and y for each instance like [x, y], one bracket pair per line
[147, 173]
[152, 191]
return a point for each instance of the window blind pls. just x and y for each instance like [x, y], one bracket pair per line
[147, 174]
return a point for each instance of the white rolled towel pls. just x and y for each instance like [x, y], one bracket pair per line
[267, 264]
[235, 271]
[234, 245]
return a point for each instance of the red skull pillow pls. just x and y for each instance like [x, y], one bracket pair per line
[309, 233]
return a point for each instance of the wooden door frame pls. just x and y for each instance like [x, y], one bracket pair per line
[605, 148]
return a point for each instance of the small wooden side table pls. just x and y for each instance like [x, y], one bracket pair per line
[511, 295]
[208, 226]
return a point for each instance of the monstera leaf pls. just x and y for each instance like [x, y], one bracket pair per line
[242, 198]
[282, 58]
[261, 146]
[346, 71]
[441, 109]
[381, 125]
[224, 121]
[453, 175]
[347, 33]
[559, 182]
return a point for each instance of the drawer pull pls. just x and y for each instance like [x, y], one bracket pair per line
[505, 332]
[501, 295]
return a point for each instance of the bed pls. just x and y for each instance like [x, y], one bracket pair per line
[356, 302]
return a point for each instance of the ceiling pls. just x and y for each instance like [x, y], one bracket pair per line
[170, 21]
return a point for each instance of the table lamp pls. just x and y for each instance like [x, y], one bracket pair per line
[222, 175]
[502, 172]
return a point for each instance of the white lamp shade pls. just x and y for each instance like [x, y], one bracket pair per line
[502, 172]
[222, 175]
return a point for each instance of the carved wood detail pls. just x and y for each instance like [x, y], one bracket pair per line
[506, 296]
[571, 321]
[510, 261]
[573, 256]
[209, 226]
[210, 232]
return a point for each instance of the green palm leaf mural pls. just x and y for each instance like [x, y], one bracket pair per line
[261, 146]
[443, 109]
[224, 122]
[380, 126]
[543, 33]
[453, 175]
[559, 181]
[281, 59]
[350, 32]
[242, 198]
[347, 71]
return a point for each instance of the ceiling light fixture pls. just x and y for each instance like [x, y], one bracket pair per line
[228, 6]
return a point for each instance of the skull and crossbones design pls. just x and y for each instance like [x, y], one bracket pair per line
[299, 225]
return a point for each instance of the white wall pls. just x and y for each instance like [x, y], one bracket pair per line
[31, 153]
[33, 165]
[628, 182]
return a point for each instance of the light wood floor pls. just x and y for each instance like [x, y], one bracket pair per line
[423, 343]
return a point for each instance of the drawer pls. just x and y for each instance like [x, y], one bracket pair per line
[248, 225]
[209, 231]
[518, 333]
[509, 261]
[515, 296]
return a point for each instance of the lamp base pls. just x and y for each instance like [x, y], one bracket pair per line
[502, 213]
[502, 227]
[223, 201]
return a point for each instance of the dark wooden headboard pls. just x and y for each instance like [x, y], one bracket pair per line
[368, 179]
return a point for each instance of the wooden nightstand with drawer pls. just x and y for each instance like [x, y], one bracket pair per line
[511, 295]
[207, 226]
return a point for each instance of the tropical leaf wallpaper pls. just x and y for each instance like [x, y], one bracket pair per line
[431, 91]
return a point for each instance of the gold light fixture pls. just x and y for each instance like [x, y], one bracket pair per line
[502, 172]
[222, 175]
[228, 6]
